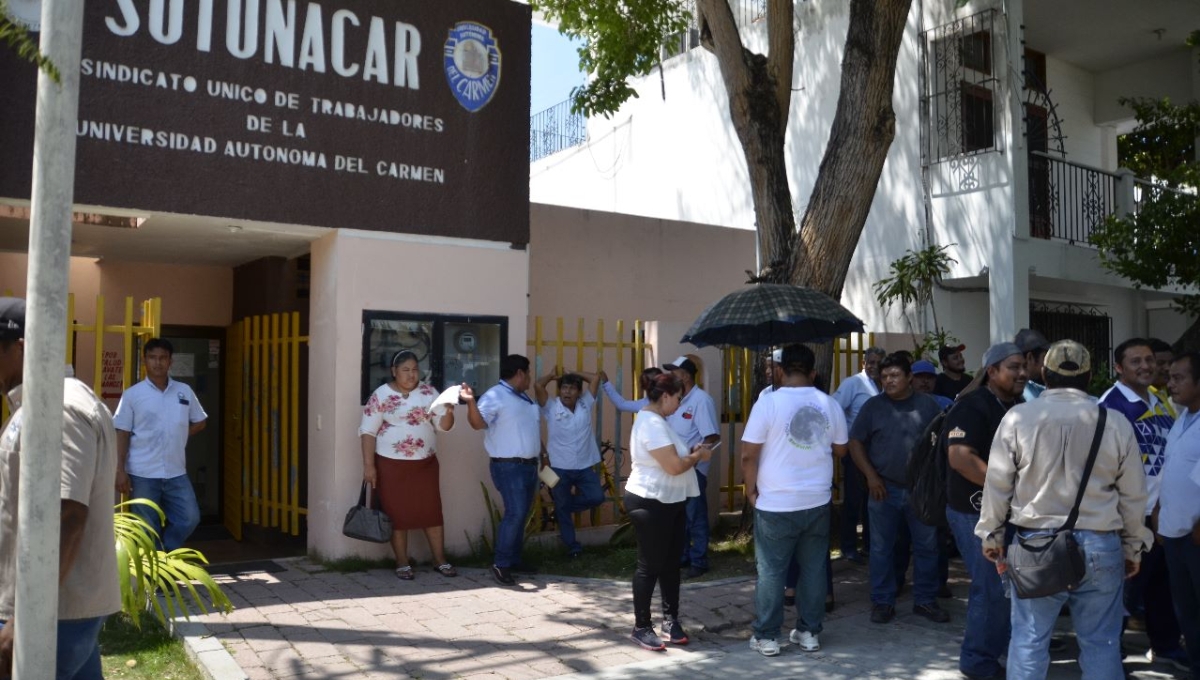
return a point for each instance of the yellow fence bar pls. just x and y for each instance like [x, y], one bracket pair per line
[296, 339]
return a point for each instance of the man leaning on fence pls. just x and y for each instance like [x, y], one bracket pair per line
[1034, 472]
[87, 561]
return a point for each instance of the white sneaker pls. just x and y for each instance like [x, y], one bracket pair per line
[807, 641]
[764, 647]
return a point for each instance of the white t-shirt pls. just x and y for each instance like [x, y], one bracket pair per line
[646, 477]
[569, 437]
[797, 427]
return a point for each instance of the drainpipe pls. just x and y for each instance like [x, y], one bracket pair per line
[38, 512]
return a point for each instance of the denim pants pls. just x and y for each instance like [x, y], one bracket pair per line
[517, 483]
[854, 502]
[1183, 564]
[988, 610]
[695, 544]
[659, 528]
[1096, 608]
[887, 516]
[780, 538]
[587, 483]
[78, 653]
[177, 499]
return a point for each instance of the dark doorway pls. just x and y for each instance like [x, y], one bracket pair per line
[1085, 324]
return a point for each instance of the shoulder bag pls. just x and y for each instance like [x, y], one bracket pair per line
[366, 523]
[1046, 565]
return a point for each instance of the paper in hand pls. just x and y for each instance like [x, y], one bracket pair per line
[448, 398]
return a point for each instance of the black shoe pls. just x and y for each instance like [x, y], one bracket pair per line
[1058, 644]
[523, 568]
[694, 572]
[932, 612]
[676, 635]
[647, 639]
[882, 613]
[830, 604]
[502, 576]
[944, 592]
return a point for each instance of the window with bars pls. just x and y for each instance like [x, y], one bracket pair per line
[959, 98]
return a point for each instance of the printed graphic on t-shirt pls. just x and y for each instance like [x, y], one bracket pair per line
[1151, 431]
[687, 415]
[977, 500]
[809, 427]
[956, 433]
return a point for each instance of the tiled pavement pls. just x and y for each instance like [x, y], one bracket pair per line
[309, 623]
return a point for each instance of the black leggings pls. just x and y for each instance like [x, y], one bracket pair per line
[659, 528]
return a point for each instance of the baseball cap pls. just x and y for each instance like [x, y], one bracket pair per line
[777, 355]
[682, 363]
[1068, 359]
[947, 350]
[12, 318]
[923, 366]
[1030, 340]
[999, 352]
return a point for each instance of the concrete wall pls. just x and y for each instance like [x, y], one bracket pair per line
[353, 271]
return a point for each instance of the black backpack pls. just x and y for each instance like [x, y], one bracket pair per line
[927, 465]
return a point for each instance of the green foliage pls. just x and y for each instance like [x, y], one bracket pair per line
[494, 515]
[18, 39]
[911, 281]
[1158, 246]
[145, 652]
[621, 41]
[1102, 379]
[142, 569]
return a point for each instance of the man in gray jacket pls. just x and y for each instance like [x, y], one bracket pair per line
[1034, 470]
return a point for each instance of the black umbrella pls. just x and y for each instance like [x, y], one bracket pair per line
[768, 314]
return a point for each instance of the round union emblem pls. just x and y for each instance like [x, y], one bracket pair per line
[472, 63]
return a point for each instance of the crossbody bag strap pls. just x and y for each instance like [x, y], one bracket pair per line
[1087, 470]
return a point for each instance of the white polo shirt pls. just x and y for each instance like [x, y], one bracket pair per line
[158, 421]
[514, 428]
[695, 419]
[569, 437]
[1179, 495]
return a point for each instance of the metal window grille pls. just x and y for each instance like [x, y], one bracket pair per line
[1067, 200]
[961, 61]
[554, 130]
[1086, 324]
[745, 13]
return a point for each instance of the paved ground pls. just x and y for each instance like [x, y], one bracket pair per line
[308, 623]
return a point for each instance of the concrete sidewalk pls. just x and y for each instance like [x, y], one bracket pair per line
[305, 622]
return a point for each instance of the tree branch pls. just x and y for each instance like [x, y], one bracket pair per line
[781, 54]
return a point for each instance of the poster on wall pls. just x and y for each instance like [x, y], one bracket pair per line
[111, 375]
[390, 115]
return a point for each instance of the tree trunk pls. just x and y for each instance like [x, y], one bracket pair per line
[862, 133]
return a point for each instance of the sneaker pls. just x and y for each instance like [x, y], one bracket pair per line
[807, 641]
[647, 639]
[502, 576]
[932, 612]
[882, 613]
[676, 635]
[764, 647]
[1176, 657]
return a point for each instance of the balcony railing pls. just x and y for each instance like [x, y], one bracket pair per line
[554, 130]
[1067, 201]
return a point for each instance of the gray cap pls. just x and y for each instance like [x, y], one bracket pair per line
[999, 352]
[1030, 340]
[12, 318]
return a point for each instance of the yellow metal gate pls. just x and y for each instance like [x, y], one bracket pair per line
[262, 424]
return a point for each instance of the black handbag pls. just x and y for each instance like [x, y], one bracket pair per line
[366, 523]
[1046, 565]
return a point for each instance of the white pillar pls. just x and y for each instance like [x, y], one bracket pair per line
[45, 343]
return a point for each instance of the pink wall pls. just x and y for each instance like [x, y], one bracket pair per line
[353, 271]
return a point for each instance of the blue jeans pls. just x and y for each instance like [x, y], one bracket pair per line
[1095, 614]
[988, 625]
[695, 545]
[587, 483]
[886, 518]
[854, 501]
[178, 501]
[78, 653]
[517, 483]
[780, 538]
[1183, 565]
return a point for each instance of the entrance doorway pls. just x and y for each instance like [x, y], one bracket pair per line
[197, 361]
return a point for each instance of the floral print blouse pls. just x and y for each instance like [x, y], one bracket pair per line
[404, 428]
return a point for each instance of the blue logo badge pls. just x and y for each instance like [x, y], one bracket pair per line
[472, 64]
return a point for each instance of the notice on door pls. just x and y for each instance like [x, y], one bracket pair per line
[183, 365]
[110, 384]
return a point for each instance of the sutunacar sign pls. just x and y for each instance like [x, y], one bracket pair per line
[389, 115]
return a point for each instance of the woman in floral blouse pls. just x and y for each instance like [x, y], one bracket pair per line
[398, 434]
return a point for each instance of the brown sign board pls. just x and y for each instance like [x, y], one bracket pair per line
[390, 115]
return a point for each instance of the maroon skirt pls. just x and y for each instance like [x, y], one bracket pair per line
[409, 492]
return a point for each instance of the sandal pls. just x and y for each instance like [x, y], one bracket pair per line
[446, 569]
[405, 573]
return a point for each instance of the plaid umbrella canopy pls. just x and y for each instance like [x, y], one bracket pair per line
[769, 314]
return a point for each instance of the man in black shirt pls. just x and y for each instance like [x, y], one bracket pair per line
[953, 378]
[881, 438]
[968, 433]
